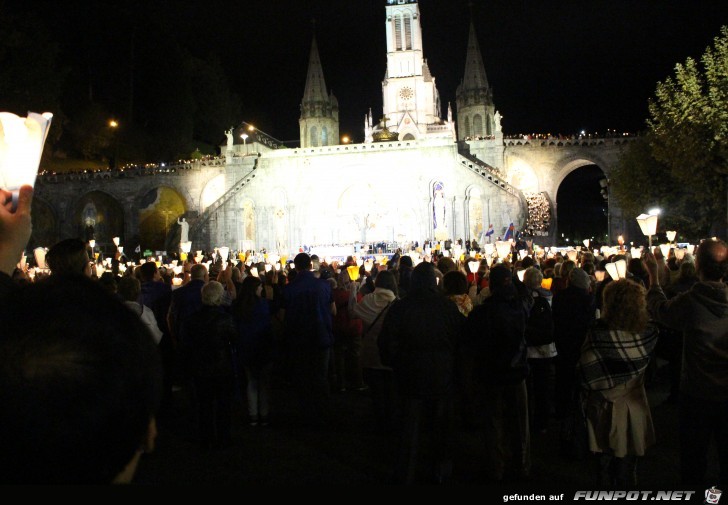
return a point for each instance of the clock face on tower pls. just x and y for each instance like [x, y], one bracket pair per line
[406, 93]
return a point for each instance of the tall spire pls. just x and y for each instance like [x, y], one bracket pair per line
[315, 90]
[474, 76]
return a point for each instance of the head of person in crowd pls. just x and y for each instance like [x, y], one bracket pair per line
[687, 271]
[566, 268]
[129, 289]
[250, 293]
[315, 262]
[405, 262]
[578, 278]
[344, 280]
[588, 267]
[423, 278]
[528, 262]
[711, 261]
[212, 293]
[446, 265]
[198, 272]
[302, 261]
[532, 278]
[108, 282]
[237, 275]
[385, 280]
[624, 306]
[501, 281]
[69, 257]
[79, 398]
[455, 283]
[148, 272]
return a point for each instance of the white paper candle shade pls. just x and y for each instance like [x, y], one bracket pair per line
[39, 253]
[599, 274]
[522, 253]
[617, 270]
[679, 254]
[503, 249]
[648, 224]
[121, 249]
[691, 249]
[665, 250]
[21, 146]
[115, 240]
[473, 266]
[92, 243]
[571, 253]
[186, 247]
[671, 235]
[224, 252]
[268, 267]
[254, 271]
[521, 274]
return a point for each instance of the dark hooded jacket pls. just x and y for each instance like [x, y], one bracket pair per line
[419, 336]
[702, 315]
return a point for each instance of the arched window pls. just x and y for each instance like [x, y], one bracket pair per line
[408, 32]
[408, 136]
[467, 126]
[398, 32]
[314, 136]
[324, 136]
[477, 125]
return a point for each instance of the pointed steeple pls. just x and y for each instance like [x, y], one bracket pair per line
[474, 76]
[319, 121]
[474, 97]
[315, 90]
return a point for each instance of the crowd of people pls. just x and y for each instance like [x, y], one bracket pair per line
[89, 365]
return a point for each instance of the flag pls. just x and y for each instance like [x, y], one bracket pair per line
[138, 249]
[510, 232]
[490, 231]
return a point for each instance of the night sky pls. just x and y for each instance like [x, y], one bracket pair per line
[555, 66]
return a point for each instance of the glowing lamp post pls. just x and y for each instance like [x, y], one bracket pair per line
[648, 224]
[21, 146]
[244, 136]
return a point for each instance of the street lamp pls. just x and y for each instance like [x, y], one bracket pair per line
[114, 124]
[244, 136]
[345, 139]
[648, 224]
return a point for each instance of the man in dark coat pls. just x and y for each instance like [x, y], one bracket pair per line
[495, 335]
[307, 310]
[573, 311]
[418, 340]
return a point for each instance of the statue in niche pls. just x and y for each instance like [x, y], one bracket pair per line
[184, 230]
[439, 212]
[229, 135]
[497, 118]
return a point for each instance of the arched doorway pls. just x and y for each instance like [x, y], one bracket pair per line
[45, 225]
[99, 216]
[159, 211]
[582, 210]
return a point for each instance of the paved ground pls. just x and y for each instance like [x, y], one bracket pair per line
[353, 453]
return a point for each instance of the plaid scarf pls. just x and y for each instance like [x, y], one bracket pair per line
[610, 358]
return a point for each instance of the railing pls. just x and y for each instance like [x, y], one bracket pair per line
[224, 199]
[148, 169]
[487, 172]
[567, 142]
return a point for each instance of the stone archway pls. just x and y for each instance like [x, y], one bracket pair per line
[45, 225]
[582, 210]
[100, 216]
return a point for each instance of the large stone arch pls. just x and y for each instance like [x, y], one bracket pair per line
[563, 170]
[98, 215]
[159, 210]
[474, 211]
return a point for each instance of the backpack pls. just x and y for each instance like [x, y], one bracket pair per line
[540, 325]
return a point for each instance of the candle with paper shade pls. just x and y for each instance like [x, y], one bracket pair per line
[599, 274]
[636, 252]
[115, 240]
[489, 248]
[522, 253]
[473, 266]
[368, 264]
[521, 274]
[40, 253]
[21, 146]
[691, 248]
[671, 235]
[92, 243]
[546, 283]
[586, 243]
[503, 249]
[571, 254]
[224, 253]
[679, 254]
[617, 270]
[254, 271]
[353, 271]
[121, 249]
[176, 282]
[665, 250]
